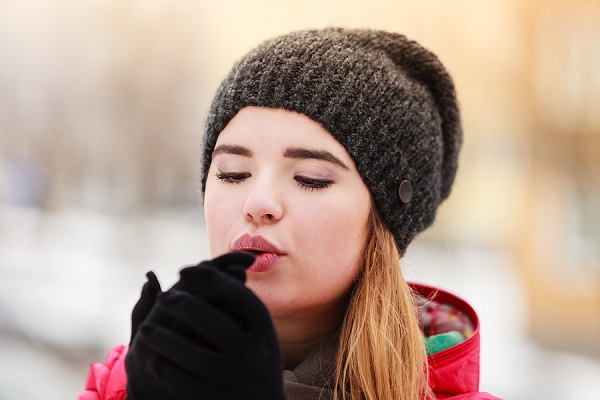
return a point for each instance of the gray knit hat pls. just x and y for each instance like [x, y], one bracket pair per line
[386, 99]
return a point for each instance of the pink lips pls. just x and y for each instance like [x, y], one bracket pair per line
[267, 254]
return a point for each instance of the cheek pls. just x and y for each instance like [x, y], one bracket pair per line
[336, 236]
[218, 218]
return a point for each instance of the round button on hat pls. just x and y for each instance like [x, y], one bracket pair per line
[405, 191]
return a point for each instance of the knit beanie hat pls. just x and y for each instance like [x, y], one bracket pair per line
[386, 99]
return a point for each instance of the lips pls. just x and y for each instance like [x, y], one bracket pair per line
[267, 254]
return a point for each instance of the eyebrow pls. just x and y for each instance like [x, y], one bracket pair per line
[232, 149]
[302, 153]
[290, 152]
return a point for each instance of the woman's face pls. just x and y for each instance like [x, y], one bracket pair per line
[280, 185]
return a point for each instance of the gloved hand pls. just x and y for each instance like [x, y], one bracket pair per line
[208, 337]
[144, 305]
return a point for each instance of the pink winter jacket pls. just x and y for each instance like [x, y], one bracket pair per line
[107, 381]
[453, 373]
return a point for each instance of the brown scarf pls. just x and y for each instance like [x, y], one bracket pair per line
[312, 379]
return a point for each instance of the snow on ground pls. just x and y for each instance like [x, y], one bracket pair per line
[68, 281]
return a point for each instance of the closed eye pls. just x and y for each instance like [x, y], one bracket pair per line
[232, 177]
[313, 184]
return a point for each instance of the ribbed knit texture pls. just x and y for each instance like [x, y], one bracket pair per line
[386, 99]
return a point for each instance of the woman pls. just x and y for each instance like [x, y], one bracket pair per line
[325, 153]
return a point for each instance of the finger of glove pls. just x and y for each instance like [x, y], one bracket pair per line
[184, 386]
[234, 264]
[203, 279]
[179, 383]
[153, 377]
[186, 355]
[145, 303]
[240, 258]
[211, 326]
[227, 294]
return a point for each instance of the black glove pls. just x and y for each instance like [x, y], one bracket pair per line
[144, 305]
[208, 337]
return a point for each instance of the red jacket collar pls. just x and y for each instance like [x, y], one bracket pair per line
[455, 370]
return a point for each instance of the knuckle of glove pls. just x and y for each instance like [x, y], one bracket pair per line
[196, 279]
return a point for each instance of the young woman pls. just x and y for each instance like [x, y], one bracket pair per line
[325, 153]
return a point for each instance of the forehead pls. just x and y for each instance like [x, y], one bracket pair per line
[258, 126]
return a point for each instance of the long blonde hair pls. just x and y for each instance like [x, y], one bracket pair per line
[381, 352]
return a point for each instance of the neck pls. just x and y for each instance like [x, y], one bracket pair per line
[300, 335]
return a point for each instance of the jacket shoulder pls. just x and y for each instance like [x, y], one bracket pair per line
[107, 381]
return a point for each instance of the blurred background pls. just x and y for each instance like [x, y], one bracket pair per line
[102, 105]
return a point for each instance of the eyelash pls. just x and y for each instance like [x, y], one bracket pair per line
[235, 178]
[313, 184]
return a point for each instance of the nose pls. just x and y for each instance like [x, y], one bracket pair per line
[263, 204]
